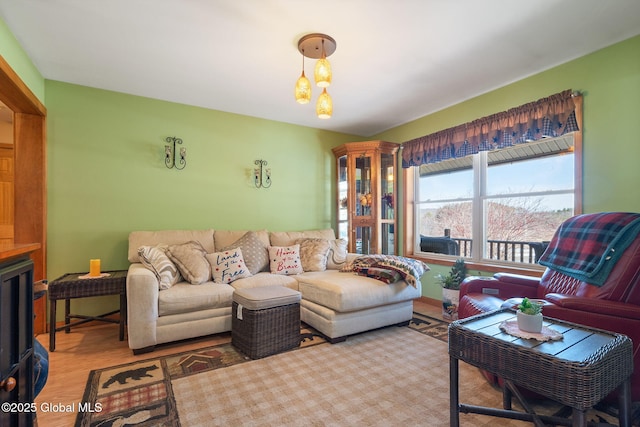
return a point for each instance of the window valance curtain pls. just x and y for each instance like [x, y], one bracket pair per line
[547, 117]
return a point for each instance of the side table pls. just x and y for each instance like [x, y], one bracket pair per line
[578, 371]
[71, 286]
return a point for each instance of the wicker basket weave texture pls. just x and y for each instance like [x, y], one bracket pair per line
[71, 286]
[579, 384]
[261, 333]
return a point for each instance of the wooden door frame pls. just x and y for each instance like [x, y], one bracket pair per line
[29, 128]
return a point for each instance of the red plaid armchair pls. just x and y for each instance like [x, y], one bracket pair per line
[613, 306]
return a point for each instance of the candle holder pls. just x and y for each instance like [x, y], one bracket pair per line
[261, 174]
[170, 154]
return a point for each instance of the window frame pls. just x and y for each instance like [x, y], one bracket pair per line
[491, 266]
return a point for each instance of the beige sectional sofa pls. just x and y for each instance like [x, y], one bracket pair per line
[335, 303]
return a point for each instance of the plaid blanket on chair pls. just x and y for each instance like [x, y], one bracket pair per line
[587, 246]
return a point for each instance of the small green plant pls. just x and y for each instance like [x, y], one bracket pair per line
[455, 277]
[528, 307]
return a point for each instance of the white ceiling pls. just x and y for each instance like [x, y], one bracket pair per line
[395, 60]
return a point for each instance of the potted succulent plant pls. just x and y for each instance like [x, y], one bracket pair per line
[451, 289]
[529, 316]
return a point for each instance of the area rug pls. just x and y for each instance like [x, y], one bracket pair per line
[391, 376]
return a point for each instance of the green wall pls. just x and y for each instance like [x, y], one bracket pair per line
[106, 174]
[609, 80]
[16, 57]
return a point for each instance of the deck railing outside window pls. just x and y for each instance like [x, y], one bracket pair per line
[503, 250]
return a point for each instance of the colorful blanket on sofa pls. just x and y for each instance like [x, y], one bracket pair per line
[587, 246]
[410, 269]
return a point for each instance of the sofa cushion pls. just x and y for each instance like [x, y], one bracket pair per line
[190, 259]
[313, 254]
[288, 238]
[254, 249]
[156, 260]
[226, 238]
[167, 237]
[285, 260]
[227, 266]
[266, 279]
[337, 256]
[345, 292]
[185, 298]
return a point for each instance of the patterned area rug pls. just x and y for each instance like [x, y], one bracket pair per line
[214, 385]
[141, 394]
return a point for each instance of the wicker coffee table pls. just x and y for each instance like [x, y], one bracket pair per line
[72, 286]
[577, 371]
[265, 320]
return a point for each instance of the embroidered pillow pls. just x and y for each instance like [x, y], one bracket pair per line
[155, 259]
[227, 266]
[254, 250]
[190, 259]
[337, 256]
[285, 260]
[313, 254]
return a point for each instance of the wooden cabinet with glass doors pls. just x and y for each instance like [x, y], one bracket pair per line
[366, 188]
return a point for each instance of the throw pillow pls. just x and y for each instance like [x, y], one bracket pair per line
[285, 259]
[190, 259]
[254, 250]
[337, 256]
[155, 259]
[313, 254]
[227, 266]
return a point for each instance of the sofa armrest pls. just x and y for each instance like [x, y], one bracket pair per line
[501, 285]
[594, 305]
[142, 306]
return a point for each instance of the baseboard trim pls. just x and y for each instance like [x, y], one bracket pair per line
[431, 301]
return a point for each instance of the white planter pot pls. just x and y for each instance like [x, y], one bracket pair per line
[529, 322]
[450, 302]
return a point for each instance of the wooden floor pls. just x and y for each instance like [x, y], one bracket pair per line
[97, 346]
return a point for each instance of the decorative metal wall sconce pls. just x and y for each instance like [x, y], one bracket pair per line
[261, 174]
[170, 154]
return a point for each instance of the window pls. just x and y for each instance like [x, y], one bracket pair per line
[496, 205]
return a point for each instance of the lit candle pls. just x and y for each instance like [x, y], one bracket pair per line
[94, 267]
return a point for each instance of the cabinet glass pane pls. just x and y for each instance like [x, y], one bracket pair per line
[363, 240]
[388, 239]
[343, 188]
[363, 186]
[387, 177]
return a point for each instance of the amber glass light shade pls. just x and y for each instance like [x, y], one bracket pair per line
[303, 90]
[322, 73]
[324, 106]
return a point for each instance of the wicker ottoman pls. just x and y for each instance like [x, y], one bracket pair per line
[265, 320]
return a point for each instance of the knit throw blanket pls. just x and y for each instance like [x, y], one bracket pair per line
[588, 246]
[371, 265]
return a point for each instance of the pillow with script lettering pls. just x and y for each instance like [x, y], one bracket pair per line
[227, 266]
[285, 260]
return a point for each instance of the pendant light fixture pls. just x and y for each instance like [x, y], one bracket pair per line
[317, 46]
[324, 106]
[303, 87]
[322, 72]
